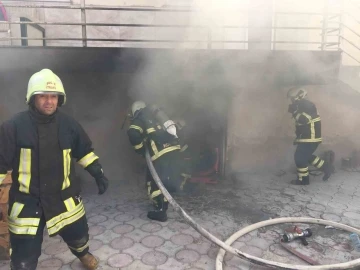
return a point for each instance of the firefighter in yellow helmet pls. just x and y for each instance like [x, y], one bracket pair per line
[38, 146]
[147, 129]
[308, 136]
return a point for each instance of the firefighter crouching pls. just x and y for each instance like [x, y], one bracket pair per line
[308, 137]
[164, 148]
[38, 146]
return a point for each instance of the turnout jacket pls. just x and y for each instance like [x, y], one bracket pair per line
[38, 150]
[144, 130]
[307, 122]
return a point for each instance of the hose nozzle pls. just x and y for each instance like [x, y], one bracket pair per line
[298, 234]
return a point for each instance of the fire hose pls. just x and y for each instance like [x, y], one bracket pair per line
[226, 246]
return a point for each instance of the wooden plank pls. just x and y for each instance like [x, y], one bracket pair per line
[299, 254]
[4, 193]
[3, 228]
[4, 232]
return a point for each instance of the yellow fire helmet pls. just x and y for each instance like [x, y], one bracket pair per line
[45, 82]
[296, 93]
[137, 106]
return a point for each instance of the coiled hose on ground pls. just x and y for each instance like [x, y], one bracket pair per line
[226, 246]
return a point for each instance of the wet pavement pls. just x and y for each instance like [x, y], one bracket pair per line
[122, 237]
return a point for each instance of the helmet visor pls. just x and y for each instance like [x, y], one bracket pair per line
[48, 92]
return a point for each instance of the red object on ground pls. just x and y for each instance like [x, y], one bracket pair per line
[209, 176]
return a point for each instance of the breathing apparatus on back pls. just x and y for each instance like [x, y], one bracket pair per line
[159, 115]
[166, 123]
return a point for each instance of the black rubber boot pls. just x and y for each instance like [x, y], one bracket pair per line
[23, 266]
[161, 207]
[328, 167]
[158, 215]
[305, 181]
[328, 170]
[327, 173]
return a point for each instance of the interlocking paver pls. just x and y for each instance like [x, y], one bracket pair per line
[123, 228]
[123, 237]
[152, 241]
[121, 243]
[151, 227]
[96, 230]
[187, 256]
[56, 248]
[154, 258]
[120, 260]
[169, 248]
[97, 219]
[137, 250]
[182, 239]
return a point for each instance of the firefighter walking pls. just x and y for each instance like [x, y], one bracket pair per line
[164, 149]
[308, 137]
[39, 145]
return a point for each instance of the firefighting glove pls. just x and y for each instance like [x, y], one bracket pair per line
[96, 171]
[102, 184]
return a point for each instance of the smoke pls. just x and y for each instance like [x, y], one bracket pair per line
[236, 87]
[215, 86]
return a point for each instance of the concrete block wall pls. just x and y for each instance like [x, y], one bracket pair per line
[14, 14]
[4, 33]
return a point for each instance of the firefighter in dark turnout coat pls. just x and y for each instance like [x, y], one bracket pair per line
[308, 136]
[164, 150]
[38, 146]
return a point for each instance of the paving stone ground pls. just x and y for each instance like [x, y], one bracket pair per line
[122, 237]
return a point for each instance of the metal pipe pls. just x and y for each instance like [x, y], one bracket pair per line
[350, 43]
[83, 21]
[355, 4]
[146, 9]
[353, 31]
[105, 8]
[163, 25]
[305, 13]
[274, 28]
[348, 14]
[341, 24]
[351, 56]
[165, 40]
[324, 24]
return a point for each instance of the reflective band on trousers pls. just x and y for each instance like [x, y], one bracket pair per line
[25, 170]
[21, 225]
[67, 163]
[80, 249]
[318, 163]
[302, 172]
[57, 223]
[88, 159]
